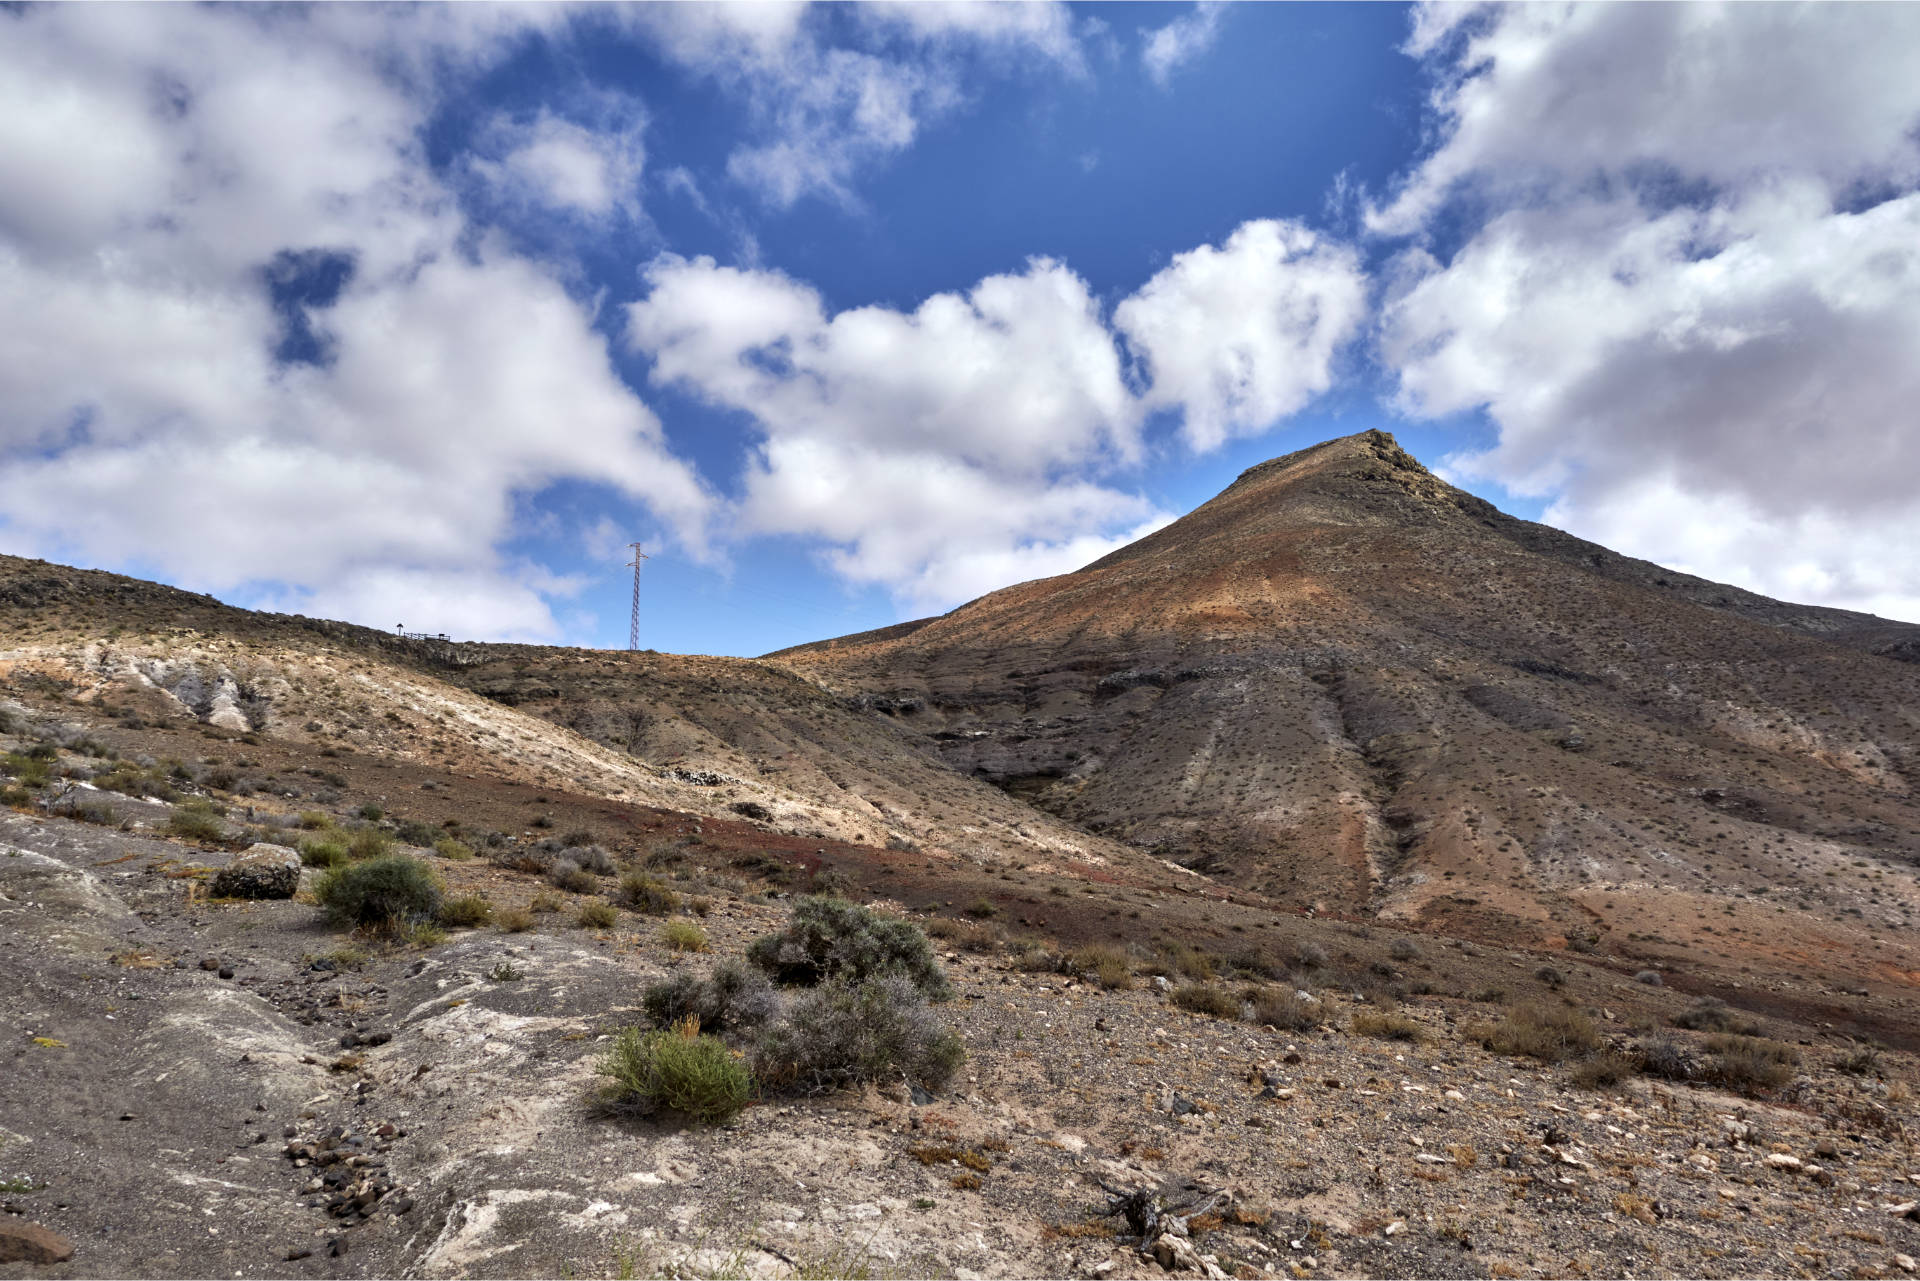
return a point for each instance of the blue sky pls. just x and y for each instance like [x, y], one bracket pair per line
[853, 312]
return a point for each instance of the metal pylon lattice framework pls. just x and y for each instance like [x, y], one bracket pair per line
[633, 625]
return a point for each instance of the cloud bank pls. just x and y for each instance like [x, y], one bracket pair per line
[1684, 281]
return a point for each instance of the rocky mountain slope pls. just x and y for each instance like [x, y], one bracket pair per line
[1350, 686]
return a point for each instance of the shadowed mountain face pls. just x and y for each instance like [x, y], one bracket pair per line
[1347, 684]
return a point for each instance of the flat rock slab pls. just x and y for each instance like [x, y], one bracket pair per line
[31, 1243]
[264, 871]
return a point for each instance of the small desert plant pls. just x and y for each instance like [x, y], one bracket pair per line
[1309, 956]
[700, 905]
[682, 935]
[579, 836]
[546, 901]
[466, 912]
[1388, 1027]
[391, 892]
[1551, 977]
[1108, 965]
[735, 995]
[1187, 962]
[514, 920]
[1286, 1011]
[598, 914]
[372, 813]
[1710, 1015]
[571, 877]
[1863, 1060]
[506, 972]
[1750, 1064]
[314, 820]
[368, 842]
[1404, 950]
[195, 823]
[318, 851]
[647, 894]
[1602, 1070]
[833, 939]
[1650, 977]
[678, 1070]
[1205, 998]
[593, 859]
[1667, 1059]
[982, 909]
[417, 834]
[1550, 1033]
[843, 1032]
[449, 847]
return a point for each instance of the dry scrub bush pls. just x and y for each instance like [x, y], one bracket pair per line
[1550, 1033]
[647, 894]
[734, 996]
[598, 914]
[1108, 966]
[1388, 1027]
[683, 936]
[833, 939]
[843, 1033]
[466, 912]
[1286, 1011]
[1204, 998]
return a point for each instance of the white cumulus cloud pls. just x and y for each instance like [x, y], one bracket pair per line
[349, 446]
[1241, 335]
[1687, 272]
[1164, 50]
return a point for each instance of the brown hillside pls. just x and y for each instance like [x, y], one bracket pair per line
[1347, 684]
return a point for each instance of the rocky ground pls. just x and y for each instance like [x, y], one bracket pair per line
[198, 1087]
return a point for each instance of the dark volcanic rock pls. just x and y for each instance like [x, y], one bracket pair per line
[264, 871]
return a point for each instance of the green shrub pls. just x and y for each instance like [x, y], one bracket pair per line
[417, 834]
[195, 824]
[735, 995]
[1108, 966]
[598, 914]
[1286, 1011]
[845, 1032]
[15, 797]
[390, 893]
[683, 936]
[1205, 998]
[677, 1070]
[1550, 1033]
[368, 842]
[982, 909]
[372, 813]
[31, 771]
[314, 820]
[830, 938]
[546, 901]
[457, 851]
[647, 894]
[1749, 1064]
[466, 912]
[323, 852]
[514, 920]
[1388, 1027]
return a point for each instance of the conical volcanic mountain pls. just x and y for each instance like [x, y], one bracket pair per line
[1347, 685]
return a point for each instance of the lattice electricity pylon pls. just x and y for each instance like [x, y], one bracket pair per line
[633, 625]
